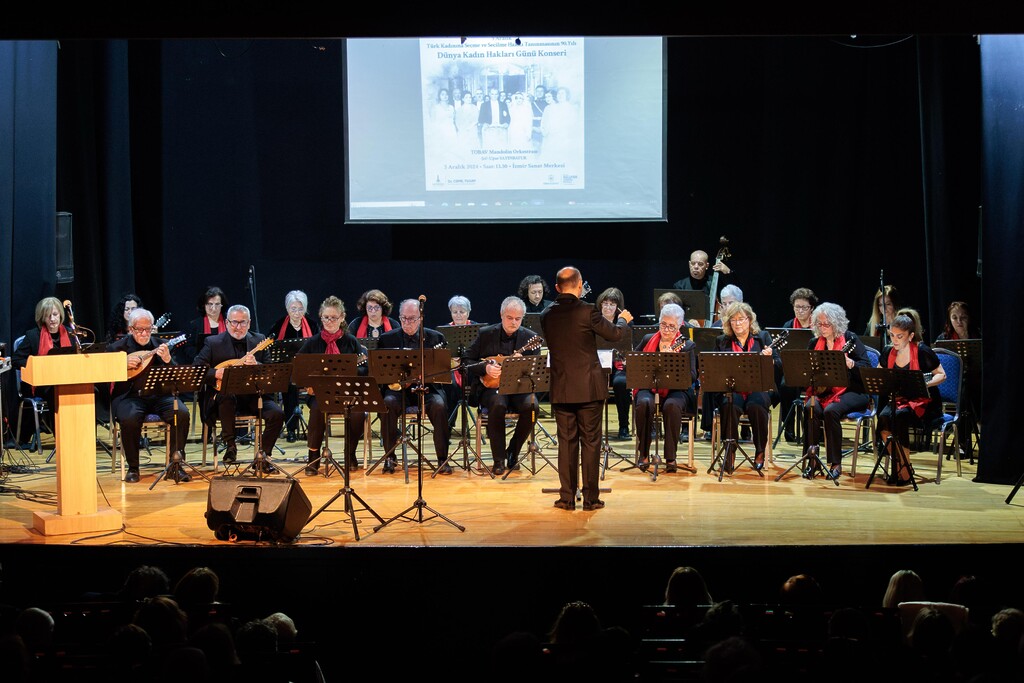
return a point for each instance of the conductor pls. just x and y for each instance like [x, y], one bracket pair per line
[578, 385]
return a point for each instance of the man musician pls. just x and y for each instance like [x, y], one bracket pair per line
[129, 408]
[236, 346]
[407, 337]
[503, 339]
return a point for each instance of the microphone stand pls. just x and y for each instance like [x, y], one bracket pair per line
[419, 505]
[885, 320]
[252, 292]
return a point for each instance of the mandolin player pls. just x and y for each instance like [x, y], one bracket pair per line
[238, 345]
[128, 407]
[495, 342]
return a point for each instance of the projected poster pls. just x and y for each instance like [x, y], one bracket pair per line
[498, 115]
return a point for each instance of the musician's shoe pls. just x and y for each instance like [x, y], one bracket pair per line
[444, 469]
[389, 465]
[291, 436]
[670, 466]
[354, 466]
[312, 470]
[759, 462]
[182, 477]
[131, 477]
[230, 455]
[593, 505]
[745, 433]
[624, 433]
[266, 467]
[835, 471]
[498, 469]
[643, 464]
[565, 504]
[511, 459]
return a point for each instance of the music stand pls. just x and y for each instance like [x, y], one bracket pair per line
[460, 338]
[637, 334]
[423, 359]
[656, 370]
[305, 368]
[283, 351]
[695, 302]
[260, 379]
[704, 338]
[817, 370]
[893, 382]
[173, 379]
[531, 321]
[401, 369]
[525, 375]
[340, 394]
[616, 349]
[728, 372]
[969, 351]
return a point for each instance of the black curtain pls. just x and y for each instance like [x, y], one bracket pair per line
[1002, 60]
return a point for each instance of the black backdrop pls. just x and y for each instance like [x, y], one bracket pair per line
[824, 161]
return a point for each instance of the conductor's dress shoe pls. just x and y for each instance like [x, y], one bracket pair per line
[759, 462]
[131, 477]
[595, 505]
[565, 505]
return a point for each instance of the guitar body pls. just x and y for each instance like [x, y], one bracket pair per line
[492, 382]
[235, 362]
[147, 356]
[723, 253]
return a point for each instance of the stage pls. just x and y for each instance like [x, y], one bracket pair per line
[519, 558]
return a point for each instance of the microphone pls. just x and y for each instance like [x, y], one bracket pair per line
[423, 299]
[71, 322]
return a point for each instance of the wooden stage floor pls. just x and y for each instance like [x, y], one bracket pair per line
[676, 510]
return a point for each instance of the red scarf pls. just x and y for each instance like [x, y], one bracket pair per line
[831, 394]
[206, 324]
[306, 332]
[653, 345]
[46, 341]
[365, 323]
[797, 325]
[915, 404]
[332, 341]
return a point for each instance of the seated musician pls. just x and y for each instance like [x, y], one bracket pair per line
[744, 335]
[48, 333]
[697, 280]
[883, 310]
[533, 290]
[803, 300]
[610, 302]
[211, 305]
[221, 351]
[129, 408]
[376, 319]
[332, 338]
[407, 336]
[503, 339]
[118, 325]
[831, 404]
[296, 323]
[674, 402]
[958, 323]
[908, 353]
[730, 295]
[459, 307]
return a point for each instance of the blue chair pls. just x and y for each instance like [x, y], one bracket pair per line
[38, 406]
[863, 424]
[950, 391]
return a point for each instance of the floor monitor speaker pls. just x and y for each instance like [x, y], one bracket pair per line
[259, 509]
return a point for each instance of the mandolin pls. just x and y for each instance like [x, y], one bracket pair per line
[676, 345]
[147, 356]
[779, 340]
[235, 362]
[534, 342]
[720, 257]
[162, 321]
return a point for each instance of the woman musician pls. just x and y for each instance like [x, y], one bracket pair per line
[743, 334]
[610, 302]
[829, 405]
[332, 339]
[907, 353]
[674, 402]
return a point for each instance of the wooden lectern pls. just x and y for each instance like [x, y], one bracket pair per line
[72, 376]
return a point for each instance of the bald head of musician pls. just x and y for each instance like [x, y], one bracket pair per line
[698, 264]
[409, 316]
[238, 321]
[513, 309]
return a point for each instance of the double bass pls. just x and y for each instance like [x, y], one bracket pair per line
[723, 253]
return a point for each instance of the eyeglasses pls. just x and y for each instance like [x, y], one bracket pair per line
[801, 307]
[739, 321]
[609, 304]
[373, 307]
[668, 327]
[407, 319]
[210, 304]
[238, 323]
[330, 318]
[142, 330]
[824, 323]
